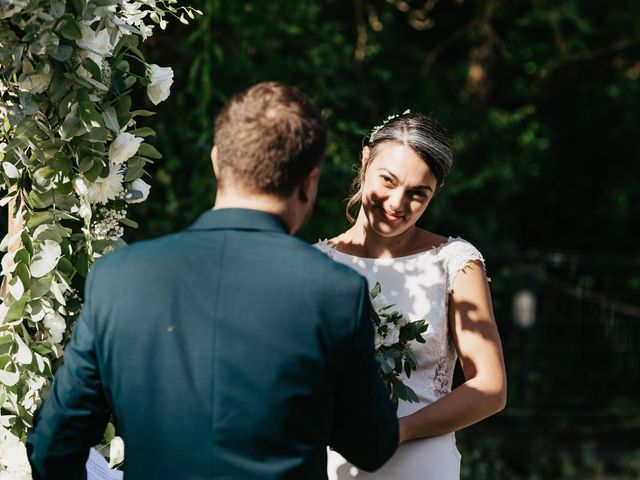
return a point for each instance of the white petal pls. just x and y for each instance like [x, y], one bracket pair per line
[159, 87]
[116, 451]
[124, 147]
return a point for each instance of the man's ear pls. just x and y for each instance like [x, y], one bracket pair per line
[309, 187]
[214, 161]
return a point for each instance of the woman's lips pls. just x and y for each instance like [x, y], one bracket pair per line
[391, 216]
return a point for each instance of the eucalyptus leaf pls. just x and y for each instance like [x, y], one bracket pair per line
[133, 174]
[128, 222]
[110, 116]
[68, 27]
[150, 151]
[16, 310]
[62, 53]
[143, 132]
[92, 67]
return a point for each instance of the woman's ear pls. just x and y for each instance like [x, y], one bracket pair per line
[365, 156]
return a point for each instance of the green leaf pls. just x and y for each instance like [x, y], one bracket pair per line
[143, 132]
[56, 7]
[92, 67]
[94, 172]
[110, 116]
[85, 164]
[142, 113]
[62, 53]
[71, 128]
[149, 151]
[128, 222]
[133, 174]
[69, 28]
[16, 310]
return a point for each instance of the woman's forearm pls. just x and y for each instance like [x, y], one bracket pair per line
[466, 405]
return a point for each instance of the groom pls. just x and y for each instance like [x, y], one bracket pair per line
[230, 350]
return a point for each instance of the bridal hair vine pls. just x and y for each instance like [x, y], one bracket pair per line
[377, 128]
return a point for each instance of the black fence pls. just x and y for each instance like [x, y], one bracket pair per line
[570, 326]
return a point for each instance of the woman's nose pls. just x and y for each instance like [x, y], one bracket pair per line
[395, 200]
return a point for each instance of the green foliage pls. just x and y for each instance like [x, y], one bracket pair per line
[69, 170]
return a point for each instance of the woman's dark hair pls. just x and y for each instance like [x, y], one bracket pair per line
[422, 133]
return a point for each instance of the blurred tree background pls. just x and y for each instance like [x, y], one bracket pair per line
[543, 100]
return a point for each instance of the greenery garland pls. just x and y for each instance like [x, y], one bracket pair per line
[73, 159]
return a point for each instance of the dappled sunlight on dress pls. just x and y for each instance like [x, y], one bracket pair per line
[419, 286]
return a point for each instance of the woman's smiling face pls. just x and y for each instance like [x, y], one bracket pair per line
[397, 188]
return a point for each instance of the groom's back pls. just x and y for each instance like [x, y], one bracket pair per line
[221, 350]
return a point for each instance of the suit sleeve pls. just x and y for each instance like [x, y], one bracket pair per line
[75, 413]
[365, 429]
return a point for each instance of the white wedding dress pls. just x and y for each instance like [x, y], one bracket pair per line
[418, 285]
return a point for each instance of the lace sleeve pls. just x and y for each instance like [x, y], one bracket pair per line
[457, 254]
[324, 247]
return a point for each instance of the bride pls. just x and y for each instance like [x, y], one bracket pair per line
[426, 276]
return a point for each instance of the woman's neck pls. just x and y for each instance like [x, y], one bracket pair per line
[371, 244]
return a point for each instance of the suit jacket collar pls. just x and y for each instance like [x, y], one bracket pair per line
[238, 219]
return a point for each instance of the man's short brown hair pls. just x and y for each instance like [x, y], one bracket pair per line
[269, 137]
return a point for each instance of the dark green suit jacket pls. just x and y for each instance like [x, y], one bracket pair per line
[230, 350]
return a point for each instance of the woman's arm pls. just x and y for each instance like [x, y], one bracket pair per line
[478, 344]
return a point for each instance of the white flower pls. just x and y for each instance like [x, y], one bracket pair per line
[32, 397]
[46, 259]
[14, 464]
[116, 451]
[379, 303]
[392, 336]
[140, 186]
[37, 82]
[108, 188]
[160, 83]
[97, 44]
[124, 147]
[55, 323]
[80, 186]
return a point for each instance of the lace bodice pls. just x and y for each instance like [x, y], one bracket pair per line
[419, 285]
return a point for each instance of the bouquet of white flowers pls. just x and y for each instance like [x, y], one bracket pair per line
[393, 335]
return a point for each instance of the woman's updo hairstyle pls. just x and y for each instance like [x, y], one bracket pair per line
[422, 133]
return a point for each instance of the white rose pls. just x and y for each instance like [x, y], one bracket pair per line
[116, 451]
[141, 186]
[160, 83]
[98, 44]
[55, 323]
[124, 147]
[393, 335]
[80, 186]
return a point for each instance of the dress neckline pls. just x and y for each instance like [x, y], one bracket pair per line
[434, 249]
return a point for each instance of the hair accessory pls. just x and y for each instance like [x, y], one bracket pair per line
[377, 128]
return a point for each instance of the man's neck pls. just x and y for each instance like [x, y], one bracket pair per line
[279, 207]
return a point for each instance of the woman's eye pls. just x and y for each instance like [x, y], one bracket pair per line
[386, 179]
